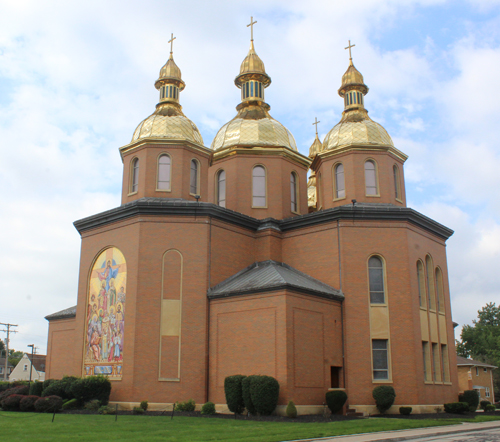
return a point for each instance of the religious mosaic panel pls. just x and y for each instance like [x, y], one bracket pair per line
[105, 321]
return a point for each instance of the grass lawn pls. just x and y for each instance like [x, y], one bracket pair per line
[38, 427]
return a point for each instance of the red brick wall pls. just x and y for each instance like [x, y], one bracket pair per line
[61, 357]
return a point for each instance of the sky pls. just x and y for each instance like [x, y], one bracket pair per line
[76, 78]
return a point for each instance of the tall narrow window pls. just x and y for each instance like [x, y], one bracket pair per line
[371, 178]
[293, 191]
[440, 290]
[339, 181]
[319, 192]
[380, 359]
[259, 186]
[397, 190]
[376, 277]
[435, 363]
[429, 270]
[134, 183]
[194, 181]
[426, 360]
[421, 284]
[445, 364]
[221, 188]
[163, 173]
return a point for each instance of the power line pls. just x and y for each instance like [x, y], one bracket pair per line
[8, 331]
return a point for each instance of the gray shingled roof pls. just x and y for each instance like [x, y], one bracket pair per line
[472, 362]
[63, 314]
[271, 275]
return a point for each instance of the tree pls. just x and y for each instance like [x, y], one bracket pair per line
[481, 341]
[15, 356]
[2, 349]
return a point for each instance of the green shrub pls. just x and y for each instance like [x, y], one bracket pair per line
[36, 389]
[264, 391]
[71, 404]
[336, 400]
[189, 405]
[5, 385]
[497, 405]
[92, 387]
[234, 393]
[47, 382]
[92, 405]
[490, 407]
[406, 411]
[55, 388]
[291, 410]
[48, 404]
[138, 410]
[28, 403]
[456, 407]
[245, 393]
[144, 405]
[106, 409]
[12, 402]
[208, 408]
[472, 398]
[483, 404]
[384, 396]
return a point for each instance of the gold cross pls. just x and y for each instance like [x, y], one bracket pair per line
[316, 122]
[251, 26]
[171, 41]
[349, 47]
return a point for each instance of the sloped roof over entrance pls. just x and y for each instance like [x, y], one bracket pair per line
[269, 276]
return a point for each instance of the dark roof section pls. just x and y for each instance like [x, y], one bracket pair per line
[63, 314]
[38, 361]
[2, 364]
[180, 207]
[472, 362]
[270, 276]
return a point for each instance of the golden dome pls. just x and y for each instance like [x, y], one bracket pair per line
[356, 128]
[253, 127]
[252, 63]
[315, 148]
[170, 73]
[168, 122]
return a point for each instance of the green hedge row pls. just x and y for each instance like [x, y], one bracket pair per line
[258, 394]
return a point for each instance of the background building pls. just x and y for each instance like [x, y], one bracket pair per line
[476, 375]
[33, 363]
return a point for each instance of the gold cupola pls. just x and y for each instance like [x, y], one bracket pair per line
[355, 127]
[168, 121]
[253, 126]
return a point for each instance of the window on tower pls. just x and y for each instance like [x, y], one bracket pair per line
[134, 182]
[397, 189]
[294, 192]
[339, 185]
[376, 280]
[371, 178]
[440, 290]
[221, 188]
[194, 181]
[431, 295]
[163, 181]
[259, 187]
[421, 284]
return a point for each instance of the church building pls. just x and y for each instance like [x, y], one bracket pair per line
[228, 260]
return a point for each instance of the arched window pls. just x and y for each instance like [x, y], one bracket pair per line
[134, 182]
[194, 182]
[221, 188]
[294, 191]
[371, 178]
[376, 280]
[339, 186]
[259, 187]
[429, 270]
[421, 284]
[440, 290]
[163, 182]
[397, 189]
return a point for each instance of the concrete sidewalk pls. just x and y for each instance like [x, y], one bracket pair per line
[400, 435]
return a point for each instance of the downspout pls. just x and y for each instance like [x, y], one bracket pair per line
[207, 355]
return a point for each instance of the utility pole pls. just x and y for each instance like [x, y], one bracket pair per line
[8, 331]
[31, 365]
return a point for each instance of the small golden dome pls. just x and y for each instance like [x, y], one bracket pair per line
[352, 77]
[168, 122]
[356, 128]
[252, 63]
[315, 148]
[170, 71]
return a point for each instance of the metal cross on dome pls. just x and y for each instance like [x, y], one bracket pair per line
[251, 26]
[349, 47]
[171, 41]
[316, 122]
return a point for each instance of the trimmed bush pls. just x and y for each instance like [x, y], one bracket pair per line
[208, 408]
[137, 410]
[336, 400]
[489, 407]
[5, 385]
[23, 390]
[55, 388]
[144, 405]
[406, 411]
[189, 405]
[384, 396]
[291, 410]
[36, 389]
[47, 382]
[92, 405]
[28, 403]
[71, 404]
[483, 404]
[264, 391]
[12, 402]
[234, 393]
[245, 393]
[106, 409]
[456, 407]
[472, 398]
[48, 404]
[92, 387]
